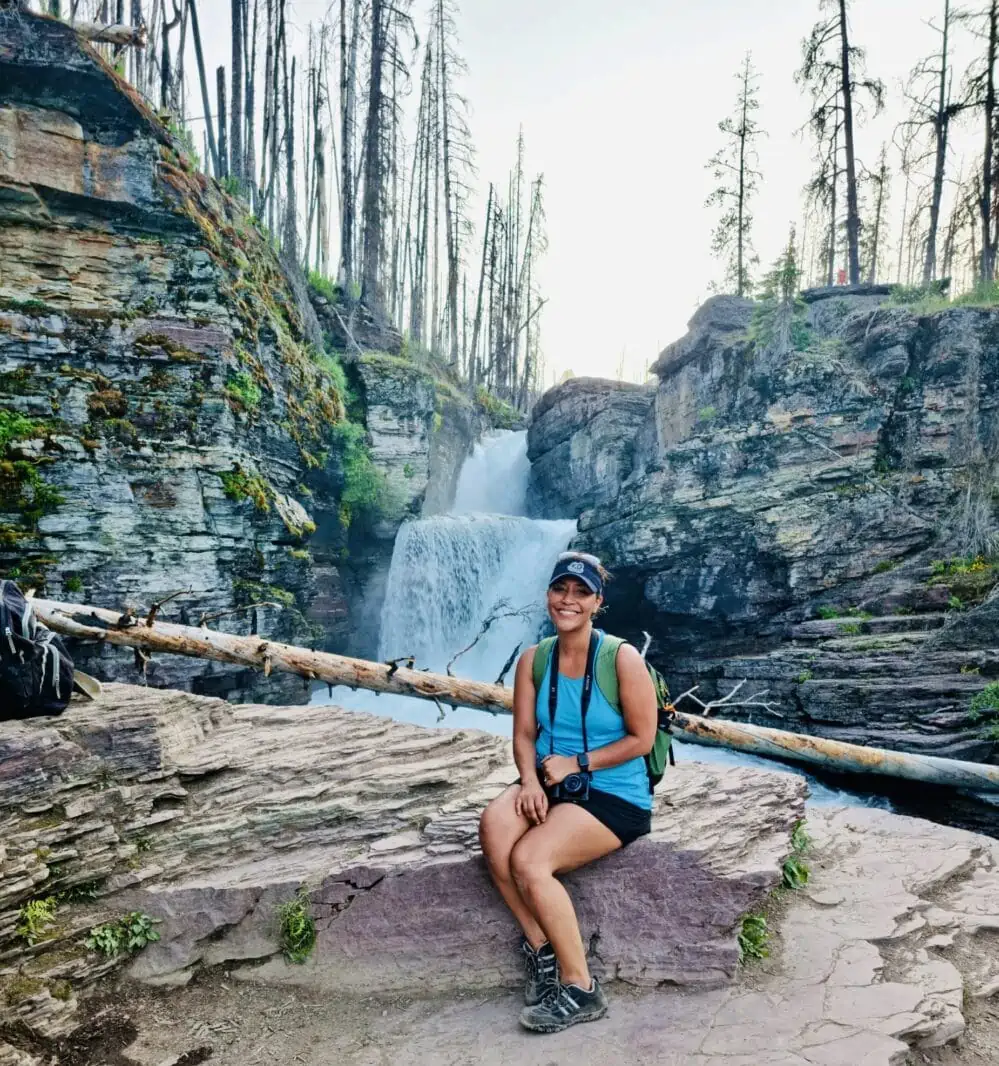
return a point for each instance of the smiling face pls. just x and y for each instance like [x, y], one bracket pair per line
[571, 604]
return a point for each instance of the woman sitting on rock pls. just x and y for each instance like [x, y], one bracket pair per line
[583, 791]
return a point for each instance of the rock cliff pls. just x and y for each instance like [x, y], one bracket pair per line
[819, 519]
[173, 413]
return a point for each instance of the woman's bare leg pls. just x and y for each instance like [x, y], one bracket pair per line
[499, 830]
[569, 837]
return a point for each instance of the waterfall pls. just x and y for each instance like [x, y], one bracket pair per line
[475, 576]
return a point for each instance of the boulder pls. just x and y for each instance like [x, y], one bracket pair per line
[208, 817]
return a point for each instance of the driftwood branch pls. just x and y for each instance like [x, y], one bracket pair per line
[120, 35]
[154, 610]
[501, 609]
[89, 623]
[728, 701]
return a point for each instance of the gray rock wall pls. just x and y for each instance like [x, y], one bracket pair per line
[807, 519]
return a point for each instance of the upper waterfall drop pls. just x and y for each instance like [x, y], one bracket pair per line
[494, 477]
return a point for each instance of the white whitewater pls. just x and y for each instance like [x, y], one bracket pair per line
[451, 573]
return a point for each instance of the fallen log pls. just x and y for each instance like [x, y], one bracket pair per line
[94, 623]
[114, 34]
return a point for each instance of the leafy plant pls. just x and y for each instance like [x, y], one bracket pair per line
[126, 935]
[955, 603]
[801, 842]
[805, 675]
[986, 702]
[753, 938]
[240, 484]
[243, 392]
[298, 928]
[323, 286]
[885, 565]
[15, 426]
[34, 919]
[706, 414]
[850, 629]
[795, 873]
[74, 584]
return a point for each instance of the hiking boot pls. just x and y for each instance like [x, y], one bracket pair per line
[564, 1006]
[542, 972]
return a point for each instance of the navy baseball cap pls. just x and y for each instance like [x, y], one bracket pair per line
[582, 567]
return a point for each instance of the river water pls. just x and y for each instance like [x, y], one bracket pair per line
[476, 577]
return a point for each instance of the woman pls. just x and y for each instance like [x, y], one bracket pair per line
[536, 828]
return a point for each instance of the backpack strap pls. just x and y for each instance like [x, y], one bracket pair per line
[605, 671]
[542, 654]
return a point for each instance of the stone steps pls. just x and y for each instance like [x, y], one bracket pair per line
[821, 629]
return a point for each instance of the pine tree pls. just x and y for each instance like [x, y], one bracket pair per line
[735, 167]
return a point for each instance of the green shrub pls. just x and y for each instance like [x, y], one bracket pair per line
[706, 414]
[501, 414]
[74, 584]
[298, 928]
[323, 286]
[805, 675]
[849, 629]
[125, 935]
[886, 565]
[794, 873]
[830, 612]
[365, 489]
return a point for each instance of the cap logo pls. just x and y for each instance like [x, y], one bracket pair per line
[576, 568]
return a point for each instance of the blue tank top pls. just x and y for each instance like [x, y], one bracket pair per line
[629, 780]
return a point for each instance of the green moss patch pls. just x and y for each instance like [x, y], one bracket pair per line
[240, 484]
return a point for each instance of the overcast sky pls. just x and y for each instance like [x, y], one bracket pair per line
[620, 103]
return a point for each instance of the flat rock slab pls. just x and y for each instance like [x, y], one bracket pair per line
[209, 816]
[869, 970]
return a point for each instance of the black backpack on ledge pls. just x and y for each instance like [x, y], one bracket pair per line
[36, 671]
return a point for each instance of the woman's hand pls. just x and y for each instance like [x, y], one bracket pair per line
[556, 768]
[531, 802]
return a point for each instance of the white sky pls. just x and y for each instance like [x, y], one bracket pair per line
[620, 103]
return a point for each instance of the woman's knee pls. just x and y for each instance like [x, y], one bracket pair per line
[528, 865]
[499, 830]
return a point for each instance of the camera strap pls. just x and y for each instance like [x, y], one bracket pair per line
[584, 702]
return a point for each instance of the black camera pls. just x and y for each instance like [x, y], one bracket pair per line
[574, 787]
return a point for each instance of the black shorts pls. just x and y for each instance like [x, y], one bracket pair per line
[626, 821]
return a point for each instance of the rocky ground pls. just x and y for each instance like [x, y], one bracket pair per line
[887, 957]
[208, 816]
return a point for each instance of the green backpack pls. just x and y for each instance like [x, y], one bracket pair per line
[605, 675]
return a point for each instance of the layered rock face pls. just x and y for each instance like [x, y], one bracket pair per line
[209, 816]
[169, 421]
[815, 520]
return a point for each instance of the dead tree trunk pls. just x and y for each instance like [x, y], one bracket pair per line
[223, 144]
[91, 623]
[373, 159]
[206, 102]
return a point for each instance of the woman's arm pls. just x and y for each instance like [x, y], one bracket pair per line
[638, 707]
[531, 801]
